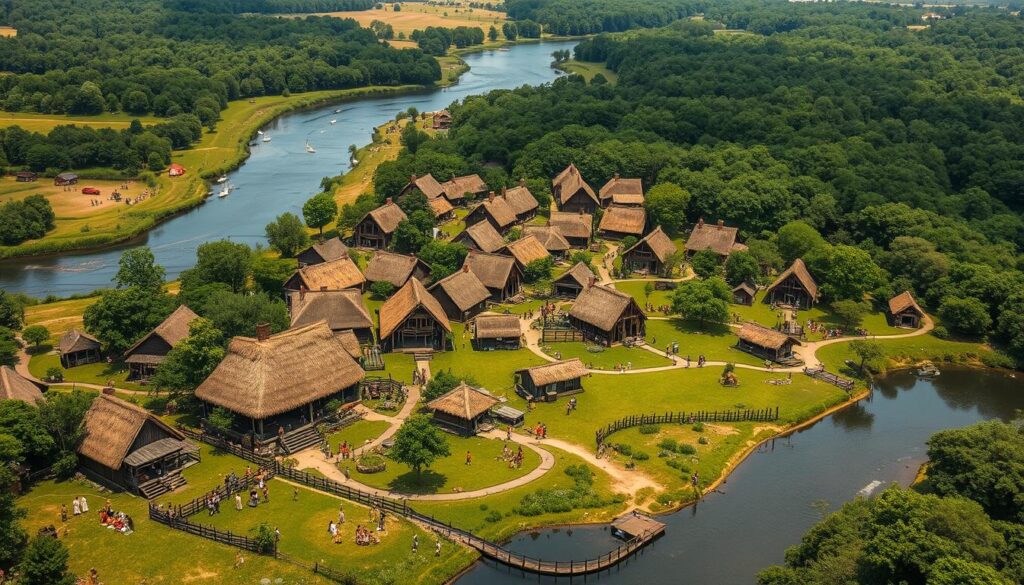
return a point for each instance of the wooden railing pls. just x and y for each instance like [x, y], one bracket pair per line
[820, 373]
[712, 416]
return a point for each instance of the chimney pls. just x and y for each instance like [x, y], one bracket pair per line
[700, 223]
[262, 331]
[490, 196]
[302, 292]
[721, 224]
[388, 201]
[504, 193]
[616, 176]
[465, 268]
[412, 178]
[522, 182]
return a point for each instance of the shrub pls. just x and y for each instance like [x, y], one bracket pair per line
[703, 440]
[640, 456]
[940, 332]
[65, 465]
[493, 516]
[484, 507]
[264, 538]
[55, 374]
[669, 444]
[648, 429]
[371, 463]
[997, 359]
[382, 289]
[624, 449]
[686, 449]
[698, 427]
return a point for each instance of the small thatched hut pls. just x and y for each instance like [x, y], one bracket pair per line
[525, 250]
[904, 311]
[442, 209]
[442, 120]
[743, 294]
[413, 319]
[572, 193]
[625, 192]
[426, 184]
[334, 275]
[650, 254]
[480, 236]
[461, 294]
[78, 348]
[343, 310]
[794, 287]
[14, 386]
[523, 203]
[572, 283]
[151, 351]
[576, 228]
[457, 189]
[495, 211]
[607, 316]
[395, 268]
[463, 409]
[326, 251]
[378, 226]
[497, 332]
[766, 343]
[717, 238]
[500, 274]
[619, 222]
[550, 381]
[551, 238]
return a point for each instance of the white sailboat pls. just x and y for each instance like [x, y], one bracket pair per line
[310, 149]
[333, 122]
[221, 179]
[266, 138]
[223, 192]
[260, 132]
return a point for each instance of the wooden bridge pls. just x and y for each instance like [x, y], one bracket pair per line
[836, 380]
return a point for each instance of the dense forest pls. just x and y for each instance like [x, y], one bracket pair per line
[270, 6]
[140, 56]
[907, 145]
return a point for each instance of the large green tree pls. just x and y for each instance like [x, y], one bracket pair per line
[705, 301]
[706, 263]
[319, 211]
[740, 267]
[12, 535]
[222, 261]
[667, 203]
[797, 239]
[419, 443]
[238, 314]
[122, 316]
[137, 267]
[287, 234]
[193, 359]
[45, 562]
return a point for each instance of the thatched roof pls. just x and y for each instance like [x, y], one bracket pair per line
[659, 243]
[549, 237]
[568, 182]
[572, 225]
[341, 309]
[427, 185]
[391, 267]
[463, 288]
[492, 269]
[403, 303]
[580, 273]
[521, 200]
[111, 426]
[464, 402]
[75, 340]
[387, 216]
[902, 302]
[718, 238]
[350, 342]
[172, 330]
[440, 206]
[14, 386]
[623, 191]
[497, 326]
[485, 236]
[457, 187]
[744, 287]
[499, 209]
[261, 378]
[336, 275]
[600, 306]
[764, 337]
[526, 250]
[329, 250]
[555, 372]
[624, 220]
[798, 269]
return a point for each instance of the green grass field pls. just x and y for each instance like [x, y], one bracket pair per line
[607, 358]
[589, 70]
[907, 350]
[762, 313]
[97, 373]
[714, 341]
[635, 289]
[357, 433]
[491, 369]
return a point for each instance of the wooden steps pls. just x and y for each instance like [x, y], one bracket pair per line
[300, 439]
[158, 487]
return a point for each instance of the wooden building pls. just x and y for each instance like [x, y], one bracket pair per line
[127, 447]
[496, 211]
[396, 269]
[463, 409]
[904, 311]
[342, 310]
[412, 319]
[607, 316]
[148, 353]
[523, 203]
[551, 238]
[64, 179]
[326, 251]
[280, 384]
[442, 120]
[78, 348]
[441, 209]
[576, 228]
[572, 283]
[480, 236]
[461, 294]
[743, 294]
[623, 192]
[526, 250]
[426, 184]
[572, 193]
[25, 176]
[500, 274]
[620, 222]
[459, 189]
[497, 332]
[650, 254]
[549, 381]
[334, 275]
[794, 287]
[14, 386]
[717, 238]
[766, 343]
[378, 226]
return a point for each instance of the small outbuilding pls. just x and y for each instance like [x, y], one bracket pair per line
[766, 343]
[904, 311]
[572, 193]
[148, 353]
[377, 227]
[496, 211]
[572, 283]
[25, 176]
[176, 170]
[523, 203]
[497, 332]
[794, 287]
[442, 120]
[441, 209]
[458, 189]
[396, 269]
[576, 228]
[743, 294]
[620, 222]
[463, 409]
[651, 254]
[334, 275]
[461, 294]
[499, 273]
[326, 251]
[342, 310]
[65, 179]
[78, 348]
[412, 319]
[624, 192]
[549, 381]
[607, 316]
[526, 250]
[14, 386]
[551, 238]
[718, 238]
[480, 236]
[426, 184]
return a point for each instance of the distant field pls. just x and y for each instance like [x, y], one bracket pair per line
[420, 16]
[8, 31]
[589, 70]
[45, 122]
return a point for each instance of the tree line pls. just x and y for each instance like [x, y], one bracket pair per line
[436, 40]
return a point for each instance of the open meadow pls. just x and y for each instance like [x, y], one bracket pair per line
[419, 15]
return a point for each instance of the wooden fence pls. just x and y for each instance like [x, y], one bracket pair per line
[711, 416]
[548, 335]
[208, 532]
[223, 491]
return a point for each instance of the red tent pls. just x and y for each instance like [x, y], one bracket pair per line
[176, 170]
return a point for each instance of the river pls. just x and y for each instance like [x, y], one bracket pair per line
[774, 496]
[279, 175]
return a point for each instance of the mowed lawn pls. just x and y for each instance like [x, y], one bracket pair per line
[357, 433]
[492, 370]
[714, 341]
[43, 123]
[635, 289]
[97, 373]
[760, 312]
[607, 358]
[909, 349]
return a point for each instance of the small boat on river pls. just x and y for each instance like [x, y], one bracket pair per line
[221, 179]
[224, 192]
[333, 122]
[310, 149]
[266, 139]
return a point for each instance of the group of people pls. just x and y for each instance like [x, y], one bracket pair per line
[620, 368]
[570, 405]
[118, 521]
[514, 459]
[652, 308]
[419, 376]
[345, 451]
[79, 506]
[540, 431]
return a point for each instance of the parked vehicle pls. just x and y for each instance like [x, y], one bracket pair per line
[90, 191]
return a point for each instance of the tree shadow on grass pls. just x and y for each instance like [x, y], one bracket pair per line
[428, 482]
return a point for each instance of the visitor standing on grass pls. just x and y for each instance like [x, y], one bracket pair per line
[63, 513]
[348, 474]
[437, 547]
[415, 543]
[238, 502]
[238, 558]
[469, 458]
[341, 514]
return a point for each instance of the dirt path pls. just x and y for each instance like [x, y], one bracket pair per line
[625, 481]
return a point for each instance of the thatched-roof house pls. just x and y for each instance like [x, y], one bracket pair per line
[794, 287]
[766, 343]
[442, 209]
[743, 294]
[606, 315]
[619, 222]
[14, 386]
[496, 211]
[378, 226]
[25, 176]
[550, 381]
[572, 283]
[551, 238]
[334, 275]
[413, 319]
[457, 189]
[78, 348]
[462, 409]
[650, 254]
[576, 228]
[64, 179]
[904, 311]
[497, 332]
[125, 445]
[523, 203]
[442, 120]
[500, 274]
[326, 251]
[480, 236]
[151, 351]
[717, 238]
[461, 294]
[282, 381]
[351, 344]
[572, 193]
[624, 192]
[525, 250]
[343, 310]
[395, 268]
[426, 184]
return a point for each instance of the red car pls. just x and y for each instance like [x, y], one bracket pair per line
[90, 191]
